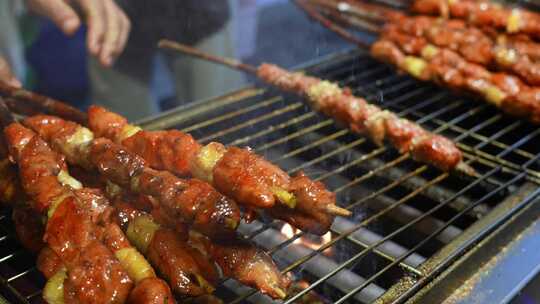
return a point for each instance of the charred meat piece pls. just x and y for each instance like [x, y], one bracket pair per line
[181, 265]
[96, 277]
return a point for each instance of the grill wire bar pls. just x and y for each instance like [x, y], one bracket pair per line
[404, 212]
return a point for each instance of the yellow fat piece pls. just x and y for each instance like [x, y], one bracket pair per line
[55, 203]
[506, 56]
[285, 197]
[323, 89]
[494, 95]
[206, 160]
[141, 231]
[135, 264]
[128, 131]
[53, 293]
[513, 24]
[429, 51]
[415, 66]
[65, 179]
[82, 136]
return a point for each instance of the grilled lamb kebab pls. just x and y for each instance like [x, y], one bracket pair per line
[30, 231]
[445, 66]
[193, 202]
[248, 178]
[470, 42]
[354, 112]
[93, 272]
[238, 173]
[237, 259]
[315, 207]
[183, 266]
[427, 62]
[260, 185]
[483, 13]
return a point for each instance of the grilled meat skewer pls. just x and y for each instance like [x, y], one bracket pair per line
[238, 173]
[427, 62]
[91, 259]
[506, 92]
[254, 180]
[195, 202]
[93, 272]
[237, 259]
[483, 13]
[370, 17]
[357, 114]
[471, 43]
[180, 264]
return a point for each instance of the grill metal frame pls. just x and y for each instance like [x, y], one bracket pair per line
[513, 167]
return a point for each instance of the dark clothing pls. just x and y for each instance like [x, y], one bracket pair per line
[185, 21]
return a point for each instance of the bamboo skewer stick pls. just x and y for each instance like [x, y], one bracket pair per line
[329, 24]
[233, 63]
[45, 104]
[333, 26]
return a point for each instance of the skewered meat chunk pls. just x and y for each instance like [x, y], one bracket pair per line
[151, 291]
[244, 262]
[315, 220]
[28, 227]
[237, 259]
[472, 43]
[428, 62]
[195, 202]
[164, 150]
[48, 262]
[242, 174]
[170, 254]
[96, 278]
[362, 117]
[483, 13]
[180, 264]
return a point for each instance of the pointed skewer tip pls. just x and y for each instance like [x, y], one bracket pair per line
[336, 210]
[464, 168]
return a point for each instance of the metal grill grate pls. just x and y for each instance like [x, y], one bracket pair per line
[409, 219]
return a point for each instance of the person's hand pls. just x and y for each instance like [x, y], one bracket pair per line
[108, 25]
[6, 75]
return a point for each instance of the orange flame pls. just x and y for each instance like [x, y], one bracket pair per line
[311, 242]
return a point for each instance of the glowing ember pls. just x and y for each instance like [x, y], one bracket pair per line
[311, 241]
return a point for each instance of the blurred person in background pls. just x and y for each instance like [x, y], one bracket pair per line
[143, 73]
[108, 30]
[122, 71]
